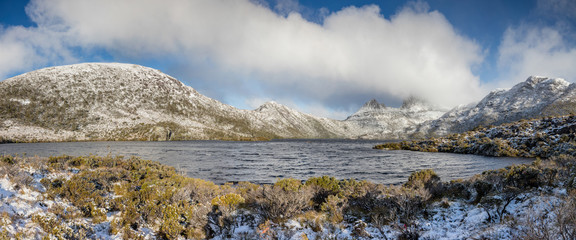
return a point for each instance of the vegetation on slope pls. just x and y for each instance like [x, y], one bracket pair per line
[112, 101]
[85, 197]
[546, 137]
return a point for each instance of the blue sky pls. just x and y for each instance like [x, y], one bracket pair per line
[322, 57]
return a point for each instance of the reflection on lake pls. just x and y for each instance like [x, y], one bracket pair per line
[264, 162]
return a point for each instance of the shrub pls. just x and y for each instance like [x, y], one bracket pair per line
[482, 189]
[389, 146]
[422, 179]
[275, 203]
[171, 219]
[334, 206]
[289, 184]
[7, 159]
[457, 189]
[323, 187]
[313, 220]
[566, 217]
[355, 189]
[229, 201]
[425, 179]
[522, 176]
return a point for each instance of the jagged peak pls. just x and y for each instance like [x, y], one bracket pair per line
[538, 84]
[536, 79]
[373, 105]
[540, 80]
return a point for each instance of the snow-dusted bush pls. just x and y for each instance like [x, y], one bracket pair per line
[87, 197]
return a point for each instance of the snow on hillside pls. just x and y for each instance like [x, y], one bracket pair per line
[536, 97]
[113, 101]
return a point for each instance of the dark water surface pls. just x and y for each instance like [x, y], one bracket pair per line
[265, 162]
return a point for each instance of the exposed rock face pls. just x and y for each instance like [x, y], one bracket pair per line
[372, 105]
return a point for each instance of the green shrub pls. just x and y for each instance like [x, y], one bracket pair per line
[7, 159]
[289, 184]
[389, 146]
[323, 187]
[334, 206]
[171, 219]
[522, 176]
[228, 201]
[424, 179]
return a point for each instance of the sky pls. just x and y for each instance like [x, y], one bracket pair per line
[322, 57]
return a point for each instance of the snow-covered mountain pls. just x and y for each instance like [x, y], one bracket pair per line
[113, 101]
[376, 121]
[534, 98]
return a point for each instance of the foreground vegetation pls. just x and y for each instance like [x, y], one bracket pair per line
[96, 197]
[546, 137]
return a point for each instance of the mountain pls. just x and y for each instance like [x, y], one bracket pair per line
[113, 101]
[534, 98]
[376, 121]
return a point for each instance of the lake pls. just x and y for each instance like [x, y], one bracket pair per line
[265, 162]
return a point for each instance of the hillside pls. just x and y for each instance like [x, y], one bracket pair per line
[534, 98]
[545, 137]
[112, 101]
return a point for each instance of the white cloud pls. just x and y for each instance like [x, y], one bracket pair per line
[526, 51]
[543, 44]
[25, 48]
[355, 52]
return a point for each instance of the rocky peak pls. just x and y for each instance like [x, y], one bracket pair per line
[541, 84]
[373, 105]
[533, 80]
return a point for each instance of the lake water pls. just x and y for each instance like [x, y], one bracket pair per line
[265, 162]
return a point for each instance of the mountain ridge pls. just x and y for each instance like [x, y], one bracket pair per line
[536, 97]
[117, 101]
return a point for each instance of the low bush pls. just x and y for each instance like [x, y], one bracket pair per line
[323, 187]
[7, 159]
[145, 194]
[277, 204]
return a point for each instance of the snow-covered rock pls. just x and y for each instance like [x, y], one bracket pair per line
[534, 98]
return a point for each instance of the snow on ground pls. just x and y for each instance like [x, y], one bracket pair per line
[22, 203]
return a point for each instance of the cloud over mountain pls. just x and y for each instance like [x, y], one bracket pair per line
[240, 49]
